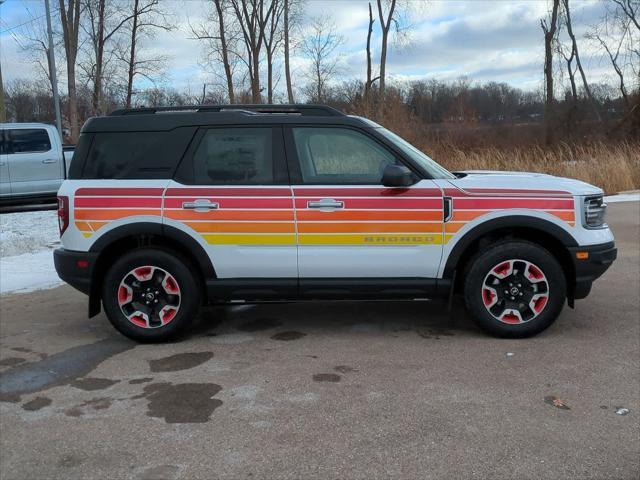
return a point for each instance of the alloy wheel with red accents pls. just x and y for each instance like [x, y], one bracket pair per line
[514, 288]
[152, 294]
[515, 291]
[149, 296]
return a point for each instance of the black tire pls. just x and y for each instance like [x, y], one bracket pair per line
[482, 274]
[188, 294]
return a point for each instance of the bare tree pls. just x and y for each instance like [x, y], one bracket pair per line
[549, 29]
[250, 15]
[287, 66]
[574, 43]
[273, 38]
[385, 25]
[221, 40]
[146, 18]
[614, 56]
[70, 19]
[369, 82]
[631, 9]
[103, 24]
[319, 47]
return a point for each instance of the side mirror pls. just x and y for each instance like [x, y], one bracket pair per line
[397, 176]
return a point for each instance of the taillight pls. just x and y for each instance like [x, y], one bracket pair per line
[63, 213]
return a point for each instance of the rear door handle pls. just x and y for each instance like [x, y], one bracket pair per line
[200, 205]
[49, 160]
[326, 203]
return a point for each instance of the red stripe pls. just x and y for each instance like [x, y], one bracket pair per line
[500, 203]
[367, 192]
[228, 192]
[265, 203]
[379, 203]
[470, 192]
[130, 192]
[118, 202]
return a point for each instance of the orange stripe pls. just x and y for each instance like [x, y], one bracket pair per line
[453, 227]
[111, 214]
[369, 227]
[212, 227]
[83, 226]
[459, 216]
[273, 215]
[567, 216]
[381, 215]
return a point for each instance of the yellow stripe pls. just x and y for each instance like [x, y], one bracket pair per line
[86, 234]
[372, 239]
[250, 239]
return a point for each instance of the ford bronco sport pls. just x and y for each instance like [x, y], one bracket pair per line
[168, 209]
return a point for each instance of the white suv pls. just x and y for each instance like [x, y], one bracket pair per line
[167, 209]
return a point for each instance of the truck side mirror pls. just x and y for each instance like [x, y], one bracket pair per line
[398, 176]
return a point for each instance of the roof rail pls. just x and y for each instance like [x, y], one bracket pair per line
[297, 109]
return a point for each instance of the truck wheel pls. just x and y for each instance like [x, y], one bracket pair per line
[514, 289]
[151, 295]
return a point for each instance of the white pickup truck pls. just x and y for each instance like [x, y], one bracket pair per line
[33, 162]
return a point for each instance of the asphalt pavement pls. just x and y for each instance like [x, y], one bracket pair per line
[326, 390]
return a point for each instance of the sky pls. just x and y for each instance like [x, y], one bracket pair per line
[499, 40]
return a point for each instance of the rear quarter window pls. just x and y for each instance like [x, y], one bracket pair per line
[130, 155]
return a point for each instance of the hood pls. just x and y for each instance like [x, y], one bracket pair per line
[539, 182]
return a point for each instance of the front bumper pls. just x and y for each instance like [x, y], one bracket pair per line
[75, 268]
[598, 259]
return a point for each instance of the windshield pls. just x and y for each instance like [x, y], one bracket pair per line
[430, 166]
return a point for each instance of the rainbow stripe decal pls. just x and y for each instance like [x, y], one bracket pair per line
[281, 215]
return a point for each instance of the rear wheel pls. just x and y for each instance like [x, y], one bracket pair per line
[151, 295]
[515, 289]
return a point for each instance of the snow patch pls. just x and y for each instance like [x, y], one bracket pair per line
[623, 197]
[27, 240]
[28, 272]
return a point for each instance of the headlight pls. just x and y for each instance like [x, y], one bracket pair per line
[594, 212]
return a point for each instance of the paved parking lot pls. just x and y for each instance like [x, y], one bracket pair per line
[326, 390]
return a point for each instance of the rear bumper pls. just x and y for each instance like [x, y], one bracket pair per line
[599, 259]
[75, 268]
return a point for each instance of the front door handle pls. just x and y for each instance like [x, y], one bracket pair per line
[49, 160]
[200, 205]
[326, 203]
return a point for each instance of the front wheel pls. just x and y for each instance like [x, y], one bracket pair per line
[515, 289]
[151, 295]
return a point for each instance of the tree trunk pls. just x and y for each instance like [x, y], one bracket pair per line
[549, 36]
[367, 86]
[225, 53]
[70, 19]
[269, 77]
[592, 101]
[385, 25]
[99, 48]
[255, 80]
[287, 67]
[3, 113]
[132, 57]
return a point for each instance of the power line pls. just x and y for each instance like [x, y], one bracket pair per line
[56, 10]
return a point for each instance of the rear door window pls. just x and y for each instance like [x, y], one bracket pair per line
[28, 140]
[134, 155]
[236, 156]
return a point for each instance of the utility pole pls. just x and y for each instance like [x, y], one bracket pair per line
[3, 113]
[52, 72]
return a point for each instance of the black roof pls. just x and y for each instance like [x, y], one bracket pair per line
[168, 118]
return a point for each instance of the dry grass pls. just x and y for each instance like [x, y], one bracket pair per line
[612, 164]
[614, 167]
